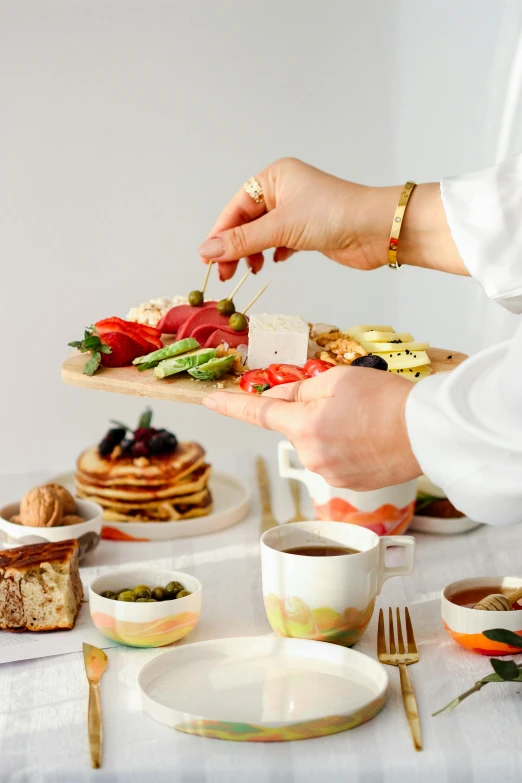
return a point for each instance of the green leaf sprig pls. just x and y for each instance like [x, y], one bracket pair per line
[504, 671]
[92, 344]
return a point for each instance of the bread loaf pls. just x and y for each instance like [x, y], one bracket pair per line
[40, 587]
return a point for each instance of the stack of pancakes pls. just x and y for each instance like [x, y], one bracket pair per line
[163, 488]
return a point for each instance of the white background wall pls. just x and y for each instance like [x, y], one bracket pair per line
[126, 125]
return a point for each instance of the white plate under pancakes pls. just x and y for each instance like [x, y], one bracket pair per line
[262, 689]
[231, 500]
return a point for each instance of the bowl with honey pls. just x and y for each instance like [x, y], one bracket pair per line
[466, 625]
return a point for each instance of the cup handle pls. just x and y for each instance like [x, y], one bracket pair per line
[286, 469]
[386, 572]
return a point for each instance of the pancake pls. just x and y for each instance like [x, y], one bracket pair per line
[147, 471]
[193, 482]
[162, 512]
[120, 505]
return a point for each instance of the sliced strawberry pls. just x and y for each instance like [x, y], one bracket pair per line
[124, 349]
[116, 324]
[124, 327]
[112, 349]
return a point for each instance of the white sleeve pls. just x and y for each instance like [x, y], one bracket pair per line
[465, 427]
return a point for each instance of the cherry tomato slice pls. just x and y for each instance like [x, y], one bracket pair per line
[316, 367]
[285, 373]
[255, 381]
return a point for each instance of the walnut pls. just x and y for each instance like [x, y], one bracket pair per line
[325, 357]
[237, 366]
[69, 503]
[328, 337]
[345, 350]
[41, 507]
[72, 519]
[16, 520]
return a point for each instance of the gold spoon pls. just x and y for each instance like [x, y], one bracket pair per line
[499, 603]
[95, 663]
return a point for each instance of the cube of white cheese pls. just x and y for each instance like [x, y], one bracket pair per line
[281, 339]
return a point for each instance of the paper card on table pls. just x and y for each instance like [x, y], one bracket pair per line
[26, 645]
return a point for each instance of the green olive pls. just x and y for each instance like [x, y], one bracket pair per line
[238, 322]
[158, 593]
[145, 593]
[109, 594]
[151, 601]
[142, 600]
[126, 596]
[183, 593]
[138, 588]
[195, 298]
[226, 307]
[174, 587]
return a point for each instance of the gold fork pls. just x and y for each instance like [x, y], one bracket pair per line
[267, 517]
[296, 497]
[402, 659]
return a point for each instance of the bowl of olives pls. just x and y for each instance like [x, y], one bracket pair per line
[145, 607]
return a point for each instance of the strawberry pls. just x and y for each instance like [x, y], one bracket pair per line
[116, 349]
[147, 335]
[123, 349]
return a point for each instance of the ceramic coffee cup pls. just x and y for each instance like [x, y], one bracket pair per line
[386, 511]
[329, 599]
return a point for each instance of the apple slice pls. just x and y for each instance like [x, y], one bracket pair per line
[371, 347]
[414, 373]
[402, 360]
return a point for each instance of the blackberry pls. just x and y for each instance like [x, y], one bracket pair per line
[377, 362]
[162, 442]
[113, 438]
[139, 449]
[144, 433]
[126, 447]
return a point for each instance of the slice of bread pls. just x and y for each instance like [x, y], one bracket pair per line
[40, 587]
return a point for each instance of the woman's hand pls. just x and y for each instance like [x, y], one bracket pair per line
[306, 209]
[347, 424]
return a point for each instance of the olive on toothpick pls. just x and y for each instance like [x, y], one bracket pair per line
[227, 306]
[196, 298]
[238, 321]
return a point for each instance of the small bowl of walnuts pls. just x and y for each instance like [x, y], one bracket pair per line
[50, 513]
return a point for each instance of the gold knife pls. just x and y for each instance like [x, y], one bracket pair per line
[95, 662]
[267, 518]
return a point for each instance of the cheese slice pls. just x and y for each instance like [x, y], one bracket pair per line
[383, 336]
[414, 374]
[358, 330]
[371, 347]
[402, 360]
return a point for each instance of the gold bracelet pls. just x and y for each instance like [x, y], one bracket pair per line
[397, 224]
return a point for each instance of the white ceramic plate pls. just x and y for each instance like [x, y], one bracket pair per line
[443, 527]
[231, 501]
[262, 689]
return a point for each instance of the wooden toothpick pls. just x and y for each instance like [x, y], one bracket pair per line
[256, 297]
[207, 275]
[238, 286]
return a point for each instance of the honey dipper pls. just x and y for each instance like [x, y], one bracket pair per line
[499, 603]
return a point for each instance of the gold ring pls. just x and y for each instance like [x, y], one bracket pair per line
[254, 190]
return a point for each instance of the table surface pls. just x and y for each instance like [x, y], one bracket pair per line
[43, 703]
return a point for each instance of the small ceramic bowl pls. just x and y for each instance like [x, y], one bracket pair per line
[466, 625]
[87, 533]
[144, 624]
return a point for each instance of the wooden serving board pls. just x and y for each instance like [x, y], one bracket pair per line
[183, 388]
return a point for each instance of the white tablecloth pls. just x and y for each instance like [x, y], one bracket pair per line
[43, 703]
